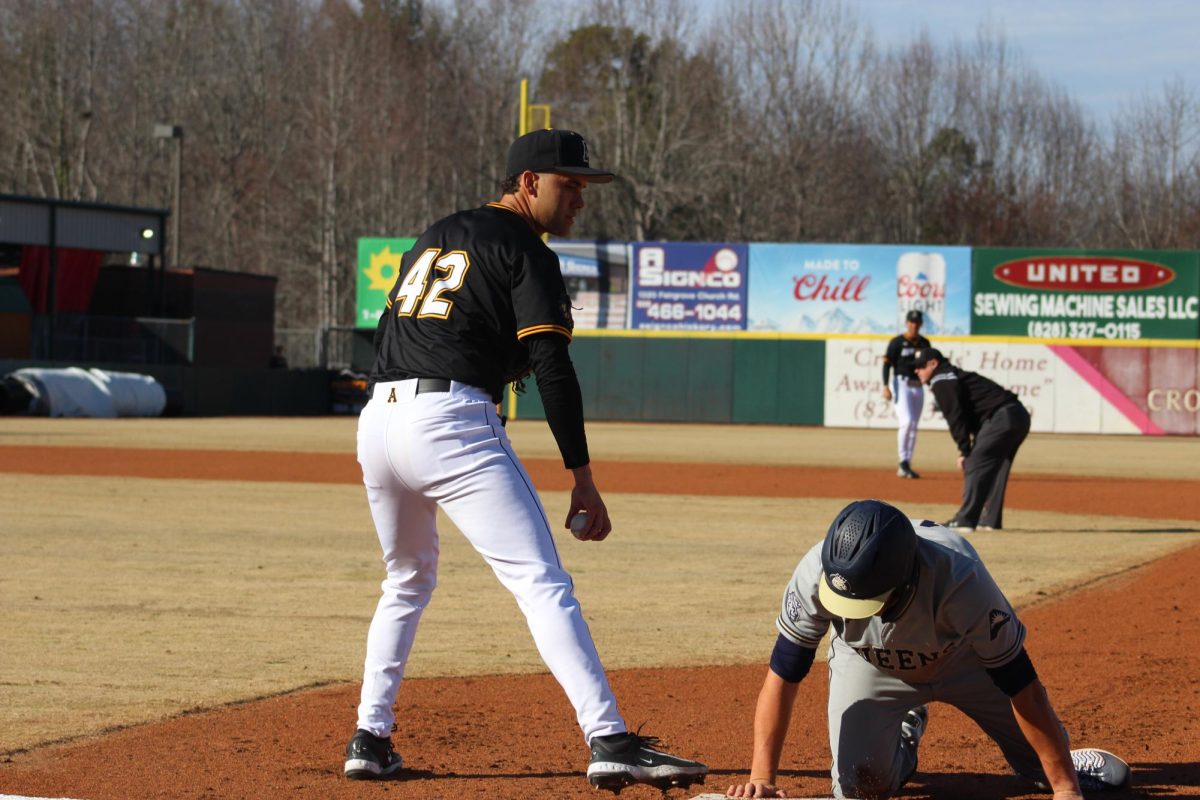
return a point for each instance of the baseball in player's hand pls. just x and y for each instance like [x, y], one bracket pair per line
[585, 497]
[755, 789]
[887, 393]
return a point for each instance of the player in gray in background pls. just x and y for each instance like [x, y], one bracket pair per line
[916, 617]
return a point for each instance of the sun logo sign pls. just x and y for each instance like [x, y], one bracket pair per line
[384, 269]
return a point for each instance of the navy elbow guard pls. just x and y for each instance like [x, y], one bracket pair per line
[1014, 676]
[791, 661]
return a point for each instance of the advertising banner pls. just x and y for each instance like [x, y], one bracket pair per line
[596, 274]
[1081, 294]
[688, 286]
[836, 288]
[378, 268]
[1067, 388]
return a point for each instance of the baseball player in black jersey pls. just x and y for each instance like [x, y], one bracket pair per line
[479, 302]
[914, 617]
[988, 424]
[905, 390]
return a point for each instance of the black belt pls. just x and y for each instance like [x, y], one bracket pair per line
[425, 385]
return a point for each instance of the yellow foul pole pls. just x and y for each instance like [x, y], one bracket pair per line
[525, 113]
[522, 129]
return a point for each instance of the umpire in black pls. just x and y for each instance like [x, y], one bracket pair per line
[988, 424]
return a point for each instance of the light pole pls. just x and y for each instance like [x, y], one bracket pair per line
[175, 133]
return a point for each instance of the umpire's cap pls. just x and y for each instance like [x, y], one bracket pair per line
[927, 354]
[869, 551]
[553, 151]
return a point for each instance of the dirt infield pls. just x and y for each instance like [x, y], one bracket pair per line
[1159, 498]
[1117, 655]
[1116, 682]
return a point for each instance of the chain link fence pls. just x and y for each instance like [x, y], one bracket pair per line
[114, 340]
[334, 348]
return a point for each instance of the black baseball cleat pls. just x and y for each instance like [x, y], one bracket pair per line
[369, 757]
[958, 526]
[906, 471]
[624, 759]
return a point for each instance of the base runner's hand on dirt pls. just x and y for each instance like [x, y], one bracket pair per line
[755, 789]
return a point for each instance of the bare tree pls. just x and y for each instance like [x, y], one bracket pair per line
[647, 102]
[913, 99]
[799, 71]
[50, 70]
[1154, 189]
[311, 123]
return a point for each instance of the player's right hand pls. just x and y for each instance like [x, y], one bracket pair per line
[586, 497]
[887, 393]
[755, 789]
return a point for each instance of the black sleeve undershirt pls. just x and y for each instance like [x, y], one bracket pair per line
[891, 358]
[561, 397]
[1014, 676]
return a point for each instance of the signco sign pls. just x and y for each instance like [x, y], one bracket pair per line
[688, 286]
[1085, 295]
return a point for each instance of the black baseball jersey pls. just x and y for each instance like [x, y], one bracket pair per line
[472, 288]
[967, 400]
[899, 354]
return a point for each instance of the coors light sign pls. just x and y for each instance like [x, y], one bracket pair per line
[921, 285]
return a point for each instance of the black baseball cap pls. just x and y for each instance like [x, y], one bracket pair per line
[915, 316]
[869, 552]
[552, 150]
[927, 354]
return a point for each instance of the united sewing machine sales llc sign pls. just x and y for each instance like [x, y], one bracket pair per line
[1081, 294]
[688, 286]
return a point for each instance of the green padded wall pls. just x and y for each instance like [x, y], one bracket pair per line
[695, 379]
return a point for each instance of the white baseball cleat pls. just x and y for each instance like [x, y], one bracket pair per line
[1100, 770]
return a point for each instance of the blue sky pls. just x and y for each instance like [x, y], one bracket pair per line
[1103, 52]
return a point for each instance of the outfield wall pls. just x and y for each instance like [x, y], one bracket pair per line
[647, 377]
[1147, 387]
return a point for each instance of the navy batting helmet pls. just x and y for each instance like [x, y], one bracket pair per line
[869, 551]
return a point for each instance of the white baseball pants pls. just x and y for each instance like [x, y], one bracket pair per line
[448, 449]
[909, 397]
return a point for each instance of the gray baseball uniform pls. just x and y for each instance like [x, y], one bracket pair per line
[936, 646]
